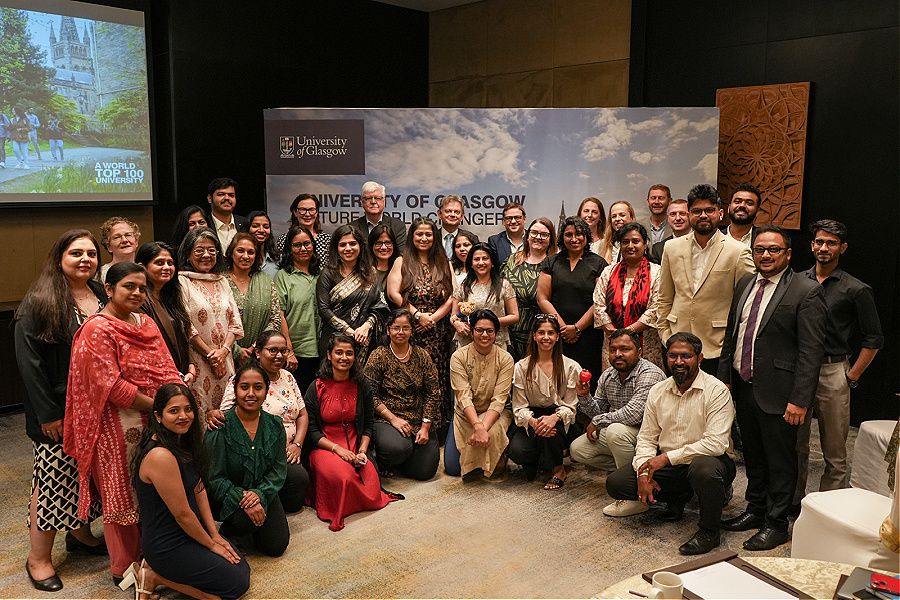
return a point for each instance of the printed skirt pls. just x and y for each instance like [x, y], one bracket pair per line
[55, 474]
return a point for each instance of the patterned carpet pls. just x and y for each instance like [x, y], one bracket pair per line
[447, 539]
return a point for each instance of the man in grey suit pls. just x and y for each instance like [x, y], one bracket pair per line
[773, 348]
[372, 200]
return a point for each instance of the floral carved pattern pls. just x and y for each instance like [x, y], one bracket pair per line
[762, 140]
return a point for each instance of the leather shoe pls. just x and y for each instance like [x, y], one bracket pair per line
[51, 584]
[766, 539]
[702, 542]
[674, 512]
[743, 522]
[73, 544]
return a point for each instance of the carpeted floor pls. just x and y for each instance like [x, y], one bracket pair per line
[447, 539]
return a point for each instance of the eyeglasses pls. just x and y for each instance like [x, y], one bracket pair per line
[122, 236]
[485, 330]
[400, 329]
[773, 250]
[513, 218]
[543, 317]
[829, 243]
[301, 245]
[276, 351]
[710, 210]
[306, 211]
[198, 252]
[674, 356]
[539, 235]
[387, 244]
[373, 198]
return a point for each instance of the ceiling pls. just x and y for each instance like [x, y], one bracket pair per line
[427, 5]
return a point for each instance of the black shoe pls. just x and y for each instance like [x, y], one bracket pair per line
[766, 539]
[743, 522]
[674, 512]
[74, 545]
[702, 542]
[51, 584]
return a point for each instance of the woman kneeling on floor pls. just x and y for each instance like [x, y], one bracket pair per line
[544, 403]
[407, 400]
[181, 547]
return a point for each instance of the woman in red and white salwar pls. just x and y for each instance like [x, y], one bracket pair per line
[119, 360]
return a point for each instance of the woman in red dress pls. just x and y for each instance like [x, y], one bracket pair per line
[341, 420]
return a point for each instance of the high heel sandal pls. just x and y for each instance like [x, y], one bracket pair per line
[135, 576]
[128, 577]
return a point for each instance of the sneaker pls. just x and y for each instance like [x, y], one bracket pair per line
[625, 508]
[25, 166]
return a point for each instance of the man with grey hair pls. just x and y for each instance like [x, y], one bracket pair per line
[372, 199]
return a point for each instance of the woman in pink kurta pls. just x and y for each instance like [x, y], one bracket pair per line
[215, 320]
[119, 360]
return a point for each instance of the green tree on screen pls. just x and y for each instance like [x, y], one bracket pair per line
[24, 80]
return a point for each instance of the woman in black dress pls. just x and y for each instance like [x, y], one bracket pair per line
[181, 547]
[566, 289]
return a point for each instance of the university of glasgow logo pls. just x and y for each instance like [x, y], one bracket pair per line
[287, 146]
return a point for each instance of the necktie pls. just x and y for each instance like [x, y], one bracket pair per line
[750, 333]
[448, 244]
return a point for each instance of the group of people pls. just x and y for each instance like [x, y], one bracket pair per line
[22, 128]
[231, 377]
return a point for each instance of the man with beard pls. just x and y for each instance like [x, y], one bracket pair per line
[658, 199]
[679, 223]
[742, 211]
[615, 412]
[682, 447]
[851, 309]
[774, 344]
[221, 193]
[698, 275]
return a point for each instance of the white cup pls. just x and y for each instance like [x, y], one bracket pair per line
[667, 586]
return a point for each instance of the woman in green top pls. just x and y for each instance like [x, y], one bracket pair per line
[254, 293]
[296, 284]
[248, 466]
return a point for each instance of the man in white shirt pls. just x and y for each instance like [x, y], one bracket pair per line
[682, 446]
[221, 193]
[742, 212]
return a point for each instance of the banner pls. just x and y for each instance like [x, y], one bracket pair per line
[546, 159]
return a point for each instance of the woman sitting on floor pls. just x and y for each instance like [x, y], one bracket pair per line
[544, 403]
[248, 466]
[481, 376]
[341, 421]
[407, 396]
[181, 547]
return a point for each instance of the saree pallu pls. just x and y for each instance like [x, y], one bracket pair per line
[260, 310]
[348, 303]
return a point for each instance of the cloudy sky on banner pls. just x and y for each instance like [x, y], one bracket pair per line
[548, 155]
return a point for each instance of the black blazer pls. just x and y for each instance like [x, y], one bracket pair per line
[365, 413]
[240, 223]
[789, 346]
[396, 225]
[656, 250]
[501, 246]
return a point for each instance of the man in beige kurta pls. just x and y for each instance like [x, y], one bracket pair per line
[481, 381]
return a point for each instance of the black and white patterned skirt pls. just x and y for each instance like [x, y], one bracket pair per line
[56, 476]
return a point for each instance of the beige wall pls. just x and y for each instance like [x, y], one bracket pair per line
[28, 234]
[530, 53]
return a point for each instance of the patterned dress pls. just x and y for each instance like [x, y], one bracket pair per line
[260, 310]
[479, 296]
[214, 314]
[523, 278]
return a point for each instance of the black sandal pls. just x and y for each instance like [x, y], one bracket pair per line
[555, 483]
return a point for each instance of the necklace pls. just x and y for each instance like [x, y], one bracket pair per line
[405, 356]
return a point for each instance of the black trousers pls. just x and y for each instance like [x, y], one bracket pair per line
[416, 461]
[770, 457]
[305, 373]
[707, 476]
[529, 449]
[293, 492]
[271, 538]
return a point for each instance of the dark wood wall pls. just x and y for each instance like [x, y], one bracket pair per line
[683, 51]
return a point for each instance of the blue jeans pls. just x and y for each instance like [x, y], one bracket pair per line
[33, 138]
[451, 454]
[54, 144]
[21, 150]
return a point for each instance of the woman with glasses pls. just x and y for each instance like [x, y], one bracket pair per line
[215, 318]
[305, 211]
[347, 292]
[566, 289]
[522, 270]
[481, 375]
[254, 293]
[591, 211]
[260, 227]
[484, 287]
[620, 212]
[296, 284]
[627, 292]
[462, 245]
[284, 401]
[120, 237]
[544, 404]
[407, 397]
[382, 244]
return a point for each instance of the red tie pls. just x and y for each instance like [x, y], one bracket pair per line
[750, 333]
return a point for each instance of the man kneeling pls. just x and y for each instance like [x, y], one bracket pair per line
[682, 445]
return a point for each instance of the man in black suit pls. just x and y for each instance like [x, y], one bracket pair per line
[774, 343]
[221, 193]
[373, 199]
[742, 211]
[677, 217]
[512, 238]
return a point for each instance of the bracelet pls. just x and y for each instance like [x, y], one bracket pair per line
[296, 444]
[426, 420]
[416, 315]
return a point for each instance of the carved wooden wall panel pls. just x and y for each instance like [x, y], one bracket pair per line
[762, 140]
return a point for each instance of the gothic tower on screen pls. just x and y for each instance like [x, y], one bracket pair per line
[73, 59]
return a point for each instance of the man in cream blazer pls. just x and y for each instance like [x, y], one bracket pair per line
[698, 276]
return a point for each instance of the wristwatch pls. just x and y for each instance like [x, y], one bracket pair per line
[853, 383]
